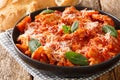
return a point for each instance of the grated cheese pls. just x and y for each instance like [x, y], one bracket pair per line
[91, 25]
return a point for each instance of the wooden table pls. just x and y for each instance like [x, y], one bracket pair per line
[11, 70]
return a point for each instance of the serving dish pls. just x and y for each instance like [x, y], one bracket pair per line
[61, 71]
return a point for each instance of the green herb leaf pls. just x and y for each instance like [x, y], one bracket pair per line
[66, 29]
[110, 29]
[76, 58]
[74, 26]
[33, 44]
[47, 11]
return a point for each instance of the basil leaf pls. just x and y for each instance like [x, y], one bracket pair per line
[66, 29]
[74, 26]
[33, 44]
[110, 29]
[76, 58]
[47, 11]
